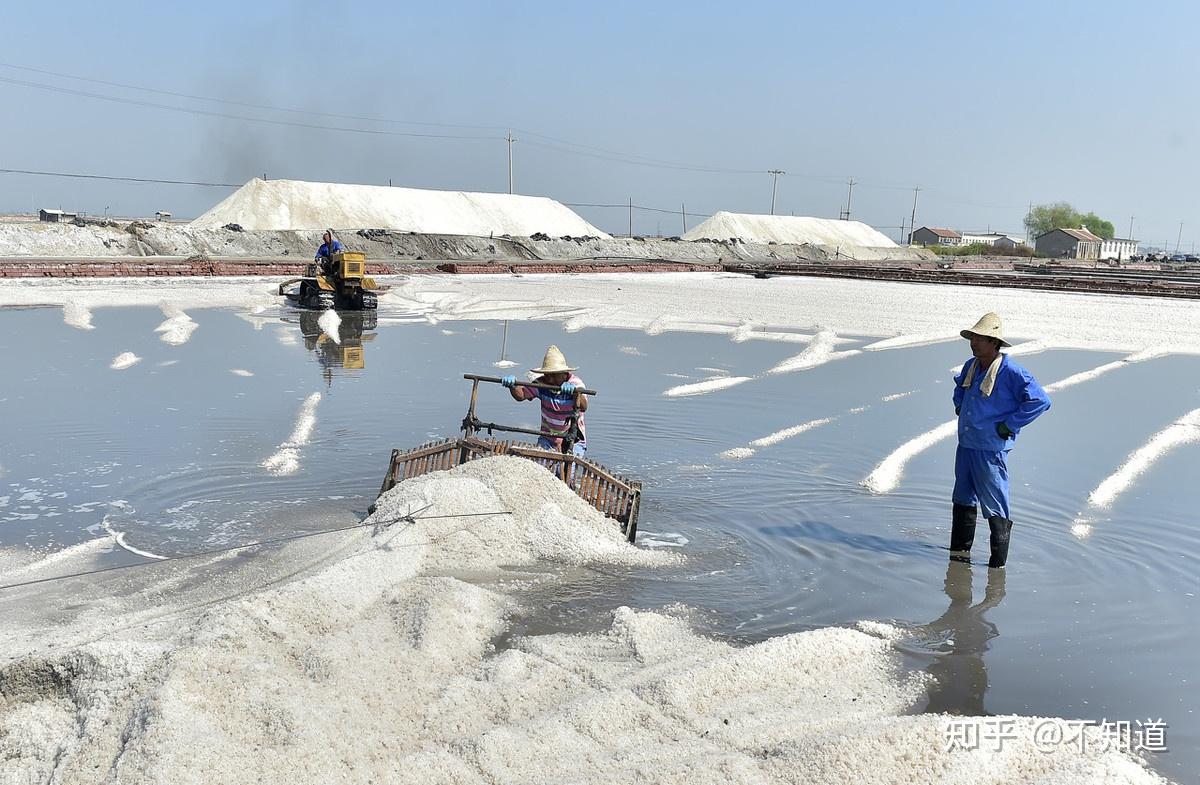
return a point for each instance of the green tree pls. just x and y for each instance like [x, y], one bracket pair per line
[1061, 215]
[1098, 226]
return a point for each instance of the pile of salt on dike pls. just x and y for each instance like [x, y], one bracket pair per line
[360, 660]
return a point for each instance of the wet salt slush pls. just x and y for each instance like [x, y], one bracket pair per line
[770, 546]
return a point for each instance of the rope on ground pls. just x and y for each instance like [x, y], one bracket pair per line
[376, 527]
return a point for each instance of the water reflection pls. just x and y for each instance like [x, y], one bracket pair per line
[355, 329]
[959, 668]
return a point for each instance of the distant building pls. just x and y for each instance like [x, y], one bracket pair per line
[928, 235]
[56, 216]
[998, 239]
[1118, 249]
[1068, 244]
[162, 215]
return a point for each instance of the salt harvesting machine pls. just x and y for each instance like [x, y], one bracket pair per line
[615, 496]
[343, 285]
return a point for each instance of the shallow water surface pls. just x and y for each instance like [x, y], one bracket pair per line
[260, 425]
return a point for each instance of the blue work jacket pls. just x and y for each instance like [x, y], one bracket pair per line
[325, 250]
[1016, 400]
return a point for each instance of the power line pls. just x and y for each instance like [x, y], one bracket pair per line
[557, 144]
[120, 179]
[227, 116]
[246, 104]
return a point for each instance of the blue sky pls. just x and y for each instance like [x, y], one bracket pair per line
[986, 106]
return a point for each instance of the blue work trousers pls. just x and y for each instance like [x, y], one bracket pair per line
[981, 476]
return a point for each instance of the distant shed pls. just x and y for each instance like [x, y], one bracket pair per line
[56, 216]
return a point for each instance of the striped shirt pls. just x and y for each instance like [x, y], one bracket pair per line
[556, 411]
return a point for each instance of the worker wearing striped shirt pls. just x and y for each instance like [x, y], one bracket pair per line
[557, 405]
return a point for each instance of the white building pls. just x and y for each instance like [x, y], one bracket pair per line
[1118, 249]
[992, 238]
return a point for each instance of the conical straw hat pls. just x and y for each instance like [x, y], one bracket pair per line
[989, 326]
[553, 362]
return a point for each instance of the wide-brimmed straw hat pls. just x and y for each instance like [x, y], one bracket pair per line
[553, 362]
[988, 326]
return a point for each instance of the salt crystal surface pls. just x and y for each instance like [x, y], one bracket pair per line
[374, 665]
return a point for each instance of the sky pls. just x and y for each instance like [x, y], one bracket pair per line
[681, 107]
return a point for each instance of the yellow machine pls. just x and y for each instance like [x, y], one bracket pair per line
[342, 284]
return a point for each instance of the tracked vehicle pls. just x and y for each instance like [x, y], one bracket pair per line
[341, 284]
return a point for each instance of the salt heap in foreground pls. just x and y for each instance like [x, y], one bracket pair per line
[377, 666]
[292, 205]
[792, 230]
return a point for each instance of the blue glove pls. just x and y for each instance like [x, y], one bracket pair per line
[509, 381]
[568, 388]
[1003, 431]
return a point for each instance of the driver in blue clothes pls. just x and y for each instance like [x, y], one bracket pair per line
[329, 246]
[994, 399]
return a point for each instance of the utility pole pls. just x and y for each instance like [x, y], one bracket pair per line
[510, 139]
[774, 185]
[849, 196]
[1179, 237]
[631, 216]
[1130, 235]
[683, 211]
[912, 223]
[902, 220]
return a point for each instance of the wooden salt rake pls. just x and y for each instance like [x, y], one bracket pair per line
[613, 495]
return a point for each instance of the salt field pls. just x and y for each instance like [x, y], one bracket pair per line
[788, 613]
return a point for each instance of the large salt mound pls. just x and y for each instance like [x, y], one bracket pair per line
[794, 230]
[298, 205]
[378, 666]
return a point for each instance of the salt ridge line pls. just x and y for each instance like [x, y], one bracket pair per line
[706, 386]
[119, 538]
[286, 459]
[886, 476]
[738, 453]
[819, 352]
[1185, 430]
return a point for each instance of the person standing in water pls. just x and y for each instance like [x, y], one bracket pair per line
[994, 399]
[559, 405]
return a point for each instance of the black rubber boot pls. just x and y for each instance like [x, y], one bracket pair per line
[962, 532]
[1001, 528]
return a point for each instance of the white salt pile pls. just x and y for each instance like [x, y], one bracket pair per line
[374, 666]
[330, 324]
[299, 205]
[124, 360]
[286, 459]
[796, 230]
[177, 328]
[76, 314]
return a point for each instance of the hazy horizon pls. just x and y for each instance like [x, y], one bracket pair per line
[668, 104]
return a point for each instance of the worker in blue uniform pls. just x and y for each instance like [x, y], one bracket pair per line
[994, 399]
[329, 246]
